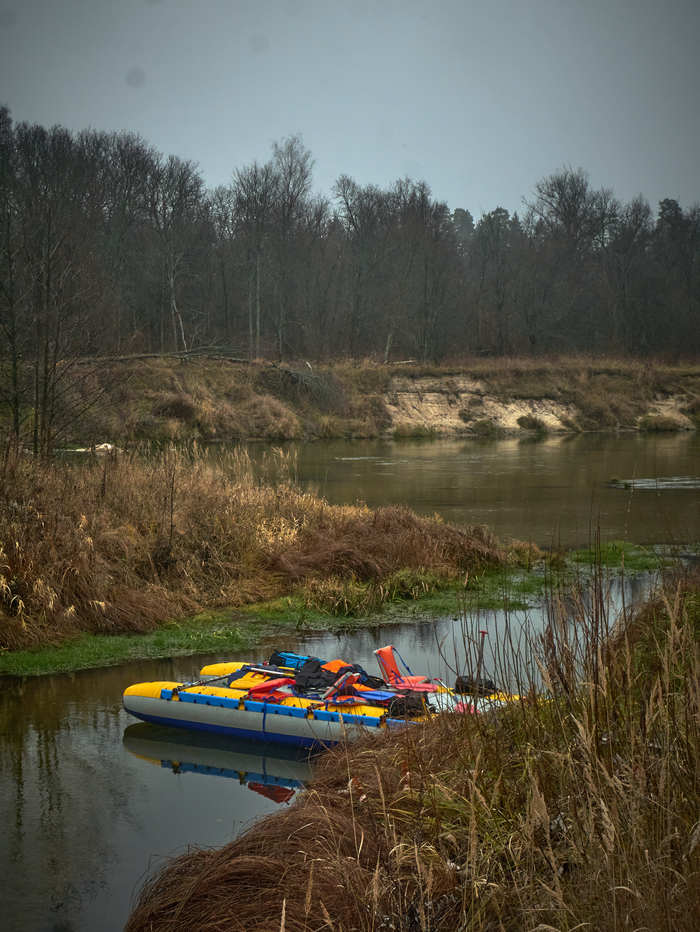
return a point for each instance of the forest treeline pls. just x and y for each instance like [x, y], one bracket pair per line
[107, 247]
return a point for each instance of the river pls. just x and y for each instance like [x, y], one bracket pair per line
[91, 801]
[555, 490]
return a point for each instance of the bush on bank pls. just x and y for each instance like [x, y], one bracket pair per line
[124, 543]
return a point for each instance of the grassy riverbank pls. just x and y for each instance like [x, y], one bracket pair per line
[354, 605]
[134, 558]
[125, 545]
[580, 811]
[213, 399]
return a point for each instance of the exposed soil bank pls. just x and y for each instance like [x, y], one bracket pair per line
[213, 399]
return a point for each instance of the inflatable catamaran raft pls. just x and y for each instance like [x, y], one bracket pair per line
[298, 700]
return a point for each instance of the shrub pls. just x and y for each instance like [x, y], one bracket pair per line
[180, 406]
[487, 429]
[659, 422]
[130, 541]
[532, 422]
[269, 419]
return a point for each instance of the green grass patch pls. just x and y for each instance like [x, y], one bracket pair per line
[503, 587]
[204, 633]
[286, 611]
[621, 555]
[327, 603]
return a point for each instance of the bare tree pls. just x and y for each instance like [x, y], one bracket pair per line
[175, 192]
[292, 166]
[254, 190]
[10, 345]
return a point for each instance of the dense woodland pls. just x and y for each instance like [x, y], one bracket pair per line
[107, 247]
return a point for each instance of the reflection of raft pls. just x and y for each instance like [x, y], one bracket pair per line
[276, 773]
[294, 700]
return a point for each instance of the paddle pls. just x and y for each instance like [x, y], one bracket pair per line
[209, 680]
[248, 668]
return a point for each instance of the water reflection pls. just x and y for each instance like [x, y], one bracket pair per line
[657, 485]
[273, 772]
[59, 797]
[84, 818]
[448, 646]
[557, 489]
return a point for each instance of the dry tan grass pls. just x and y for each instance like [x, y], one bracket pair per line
[370, 544]
[121, 544]
[576, 812]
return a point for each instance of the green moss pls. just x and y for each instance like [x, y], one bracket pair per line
[500, 587]
[203, 633]
[286, 610]
[620, 554]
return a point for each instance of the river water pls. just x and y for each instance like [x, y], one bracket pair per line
[557, 490]
[91, 801]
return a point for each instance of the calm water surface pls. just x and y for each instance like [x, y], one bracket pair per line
[640, 487]
[91, 801]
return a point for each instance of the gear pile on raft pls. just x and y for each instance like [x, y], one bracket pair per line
[305, 701]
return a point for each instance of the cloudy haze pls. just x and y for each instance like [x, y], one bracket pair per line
[480, 99]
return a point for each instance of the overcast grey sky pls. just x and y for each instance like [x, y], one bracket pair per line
[481, 98]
